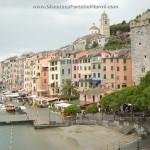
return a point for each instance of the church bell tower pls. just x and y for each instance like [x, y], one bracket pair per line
[105, 25]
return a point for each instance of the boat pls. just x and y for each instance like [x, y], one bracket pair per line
[2, 107]
[10, 108]
[21, 109]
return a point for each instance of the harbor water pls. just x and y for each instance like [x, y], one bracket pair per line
[25, 137]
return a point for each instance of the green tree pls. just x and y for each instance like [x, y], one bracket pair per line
[138, 96]
[72, 110]
[69, 90]
[92, 108]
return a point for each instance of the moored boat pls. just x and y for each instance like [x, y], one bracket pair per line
[10, 108]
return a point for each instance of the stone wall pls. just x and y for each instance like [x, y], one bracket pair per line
[140, 48]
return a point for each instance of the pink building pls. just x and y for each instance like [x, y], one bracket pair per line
[93, 95]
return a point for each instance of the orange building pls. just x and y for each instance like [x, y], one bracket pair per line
[116, 71]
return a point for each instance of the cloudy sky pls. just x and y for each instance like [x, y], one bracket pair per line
[24, 29]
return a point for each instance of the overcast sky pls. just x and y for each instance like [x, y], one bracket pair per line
[24, 29]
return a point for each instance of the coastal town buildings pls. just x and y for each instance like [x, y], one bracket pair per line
[140, 46]
[116, 70]
[59, 71]
[36, 73]
[9, 73]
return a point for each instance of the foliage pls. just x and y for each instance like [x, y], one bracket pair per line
[121, 27]
[69, 90]
[92, 108]
[115, 43]
[72, 109]
[138, 95]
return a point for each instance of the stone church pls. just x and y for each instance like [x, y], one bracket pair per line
[97, 34]
[104, 27]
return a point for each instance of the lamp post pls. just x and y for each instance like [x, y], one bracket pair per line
[49, 113]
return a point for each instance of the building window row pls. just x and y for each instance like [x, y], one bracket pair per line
[112, 77]
[118, 68]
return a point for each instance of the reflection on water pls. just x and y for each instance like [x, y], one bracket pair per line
[69, 138]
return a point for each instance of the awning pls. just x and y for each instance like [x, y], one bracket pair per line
[95, 82]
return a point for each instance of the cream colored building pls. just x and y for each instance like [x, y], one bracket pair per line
[34, 81]
[9, 73]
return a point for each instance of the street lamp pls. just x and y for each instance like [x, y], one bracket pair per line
[49, 113]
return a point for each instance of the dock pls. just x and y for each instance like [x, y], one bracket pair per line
[52, 124]
[16, 122]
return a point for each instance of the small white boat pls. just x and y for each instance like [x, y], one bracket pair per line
[2, 107]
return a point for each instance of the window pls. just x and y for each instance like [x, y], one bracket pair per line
[56, 76]
[63, 71]
[143, 69]
[118, 69]
[52, 69]
[99, 75]
[84, 67]
[124, 85]
[112, 76]
[33, 81]
[112, 68]
[34, 89]
[52, 63]
[111, 60]
[104, 60]
[104, 68]
[104, 76]
[125, 77]
[94, 75]
[125, 68]
[118, 86]
[117, 60]
[52, 76]
[79, 75]
[85, 76]
[81, 84]
[124, 61]
[68, 71]
[99, 66]
[74, 75]
[93, 99]
[45, 81]
[89, 67]
[94, 66]
[55, 68]
[74, 67]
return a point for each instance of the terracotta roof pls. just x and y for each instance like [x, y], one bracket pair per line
[95, 91]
